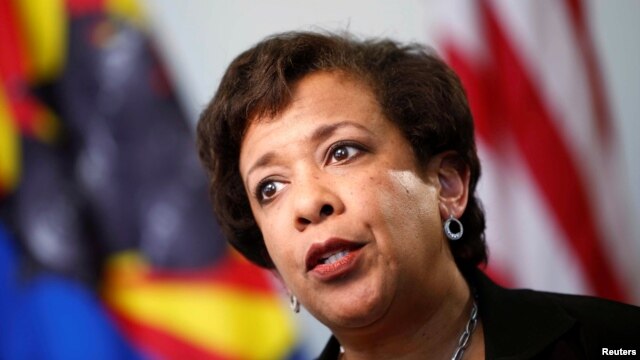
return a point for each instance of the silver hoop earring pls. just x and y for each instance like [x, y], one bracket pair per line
[295, 305]
[453, 236]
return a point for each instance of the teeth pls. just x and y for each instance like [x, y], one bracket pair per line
[335, 257]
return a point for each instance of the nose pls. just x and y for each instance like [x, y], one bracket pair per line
[314, 202]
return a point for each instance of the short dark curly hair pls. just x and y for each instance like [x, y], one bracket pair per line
[416, 90]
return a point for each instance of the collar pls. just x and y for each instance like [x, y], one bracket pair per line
[517, 324]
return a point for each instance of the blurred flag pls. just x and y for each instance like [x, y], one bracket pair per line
[227, 311]
[50, 316]
[552, 188]
[101, 188]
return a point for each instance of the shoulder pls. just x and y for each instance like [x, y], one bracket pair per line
[594, 315]
[526, 322]
[600, 324]
[594, 309]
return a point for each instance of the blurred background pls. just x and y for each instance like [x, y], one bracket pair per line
[108, 247]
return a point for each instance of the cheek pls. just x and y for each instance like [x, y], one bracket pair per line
[276, 246]
[282, 256]
[409, 212]
[407, 197]
[286, 249]
[276, 240]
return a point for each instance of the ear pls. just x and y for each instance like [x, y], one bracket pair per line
[453, 178]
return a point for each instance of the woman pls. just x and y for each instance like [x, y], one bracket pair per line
[350, 169]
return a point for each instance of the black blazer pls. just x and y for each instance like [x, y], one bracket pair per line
[526, 324]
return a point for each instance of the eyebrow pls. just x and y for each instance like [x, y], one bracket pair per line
[319, 134]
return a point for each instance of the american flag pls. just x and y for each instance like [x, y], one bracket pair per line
[552, 186]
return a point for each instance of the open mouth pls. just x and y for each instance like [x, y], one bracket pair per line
[330, 252]
[335, 257]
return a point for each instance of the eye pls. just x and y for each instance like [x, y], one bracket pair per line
[342, 152]
[267, 189]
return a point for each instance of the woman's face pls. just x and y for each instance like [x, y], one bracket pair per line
[350, 220]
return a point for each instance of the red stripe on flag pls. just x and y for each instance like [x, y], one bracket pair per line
[84, 7]
[15, 71]
[505, 102]
[499, 276]
[14, 64]
[160, 344]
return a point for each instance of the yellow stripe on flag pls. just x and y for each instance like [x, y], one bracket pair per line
[127, 9]
[9, 148]
[221, 319]
[44, 24]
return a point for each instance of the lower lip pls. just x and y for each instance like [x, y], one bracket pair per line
[338, 269]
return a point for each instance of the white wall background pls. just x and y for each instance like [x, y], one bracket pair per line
[199, 38]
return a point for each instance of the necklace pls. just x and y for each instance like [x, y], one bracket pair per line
[463, 341]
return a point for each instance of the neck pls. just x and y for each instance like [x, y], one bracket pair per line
[427, 324]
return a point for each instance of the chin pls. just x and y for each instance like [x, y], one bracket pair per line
[358, 309]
